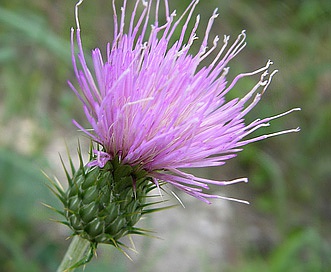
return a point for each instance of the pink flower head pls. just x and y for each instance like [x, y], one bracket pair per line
[152, 104]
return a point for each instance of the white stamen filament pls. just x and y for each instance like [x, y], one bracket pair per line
[207, 32]
[178, 199]
[138, 102]
[235, 48]
[76, 13]
[233, 199]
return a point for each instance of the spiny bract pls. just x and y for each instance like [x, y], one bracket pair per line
[103, 204]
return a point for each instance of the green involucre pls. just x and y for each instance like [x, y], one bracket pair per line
[103, 204]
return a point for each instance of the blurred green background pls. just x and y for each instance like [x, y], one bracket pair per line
[289, 187]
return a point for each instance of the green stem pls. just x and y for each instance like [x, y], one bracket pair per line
[75, 254]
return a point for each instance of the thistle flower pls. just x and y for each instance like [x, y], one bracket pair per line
[150, 103]
[154, 110]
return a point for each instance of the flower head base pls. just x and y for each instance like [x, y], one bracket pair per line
[151, 105]
[102, 205]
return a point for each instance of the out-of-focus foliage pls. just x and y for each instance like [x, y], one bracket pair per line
[290, 175]
[23, 226]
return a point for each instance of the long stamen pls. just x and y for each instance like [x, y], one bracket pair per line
[76, 13]
[207, 32]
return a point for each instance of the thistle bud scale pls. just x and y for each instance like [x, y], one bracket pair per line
[104, 204]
